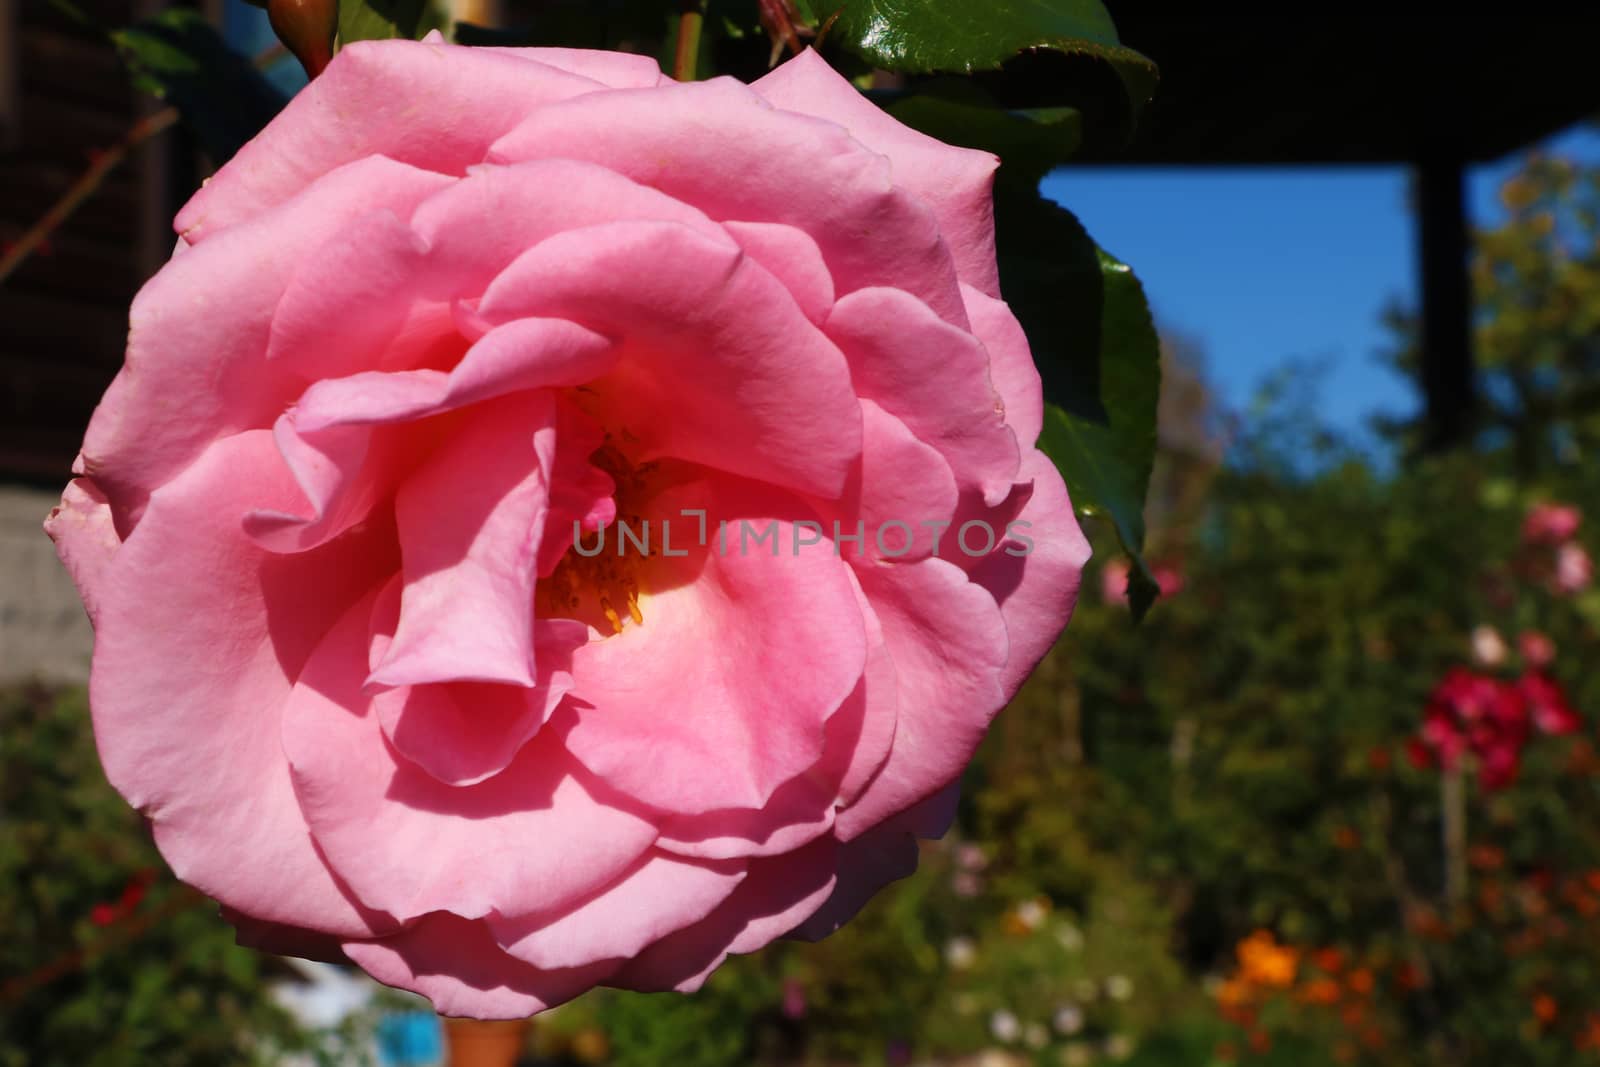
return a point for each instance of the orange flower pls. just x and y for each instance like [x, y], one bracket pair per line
[1321, 991]
[1265, 962]
[1589, 1036]
[1361, 981]
[1544, 1008]
[1260, 1042]
[1328, 960]
[1346, 838]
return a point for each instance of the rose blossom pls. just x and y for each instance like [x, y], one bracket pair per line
[1550, 524]
[451, 306]
[1574, 570]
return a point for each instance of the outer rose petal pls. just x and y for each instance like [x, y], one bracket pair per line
[283, 940]
[957, 183]
[1036, 591]
[719, 146]
[410, 845]
[660, 896]
[456, 964]
[776, 896]
[882, 855]
[889, 337]
[200, 637]
[948, 641]
[86, 538]
[1011, 367]
[198, 330]
[365, 104]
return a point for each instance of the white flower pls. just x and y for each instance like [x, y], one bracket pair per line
[1035, 1036]
[1070, 936]
[1031, 913]
[1119, 987]
[1119, 1047]
[1488, 649]
[1004, 1026]
[1067, 1020]
[960, 953]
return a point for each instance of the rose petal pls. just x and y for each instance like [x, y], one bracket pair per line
[889, 339]
[85, 537]
[407, 843]
[948, 641]
[465, 732]
[741, 659]
[365, 105]
[1011, 366]
[660, 896]
[198, 330]
[457, 965]
[791, 256]
[776, 895]
[957, 183]
[717, 145]
[753, 387]
[338, 441]
[470, 549]
[1036, 590]
[200, 636]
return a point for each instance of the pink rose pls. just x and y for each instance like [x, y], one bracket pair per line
[1574, 570]
[1537, 650]
[1550, 524]
[453, 305]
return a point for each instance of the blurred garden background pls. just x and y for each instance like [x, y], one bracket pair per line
[1336, 800]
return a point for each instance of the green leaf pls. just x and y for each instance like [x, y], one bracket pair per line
[1063, 52]
[179, 57]
[379, 20]
[1105, 458]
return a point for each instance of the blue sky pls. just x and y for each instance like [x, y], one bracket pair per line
[1265, 267]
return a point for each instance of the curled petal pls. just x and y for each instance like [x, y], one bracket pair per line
[661, 895]
[956, 183]
[457, 965]
[409, 844]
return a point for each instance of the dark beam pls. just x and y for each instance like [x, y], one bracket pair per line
[1447, 363]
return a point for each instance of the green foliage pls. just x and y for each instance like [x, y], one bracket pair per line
[178, 56]
[107, 960]
[1106, 458]
[1037, 39]
[159, 983]
[369, 20]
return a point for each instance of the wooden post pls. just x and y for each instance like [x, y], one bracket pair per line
[474, 1043]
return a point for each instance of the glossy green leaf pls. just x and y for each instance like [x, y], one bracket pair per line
[369, 20]
[178, 56]
[1106, 457]
[1048, 49]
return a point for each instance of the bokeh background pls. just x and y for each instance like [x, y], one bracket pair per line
[1333, 802]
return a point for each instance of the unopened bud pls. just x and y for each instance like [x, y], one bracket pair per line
[306, 27]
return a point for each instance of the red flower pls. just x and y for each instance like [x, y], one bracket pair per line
[1548, 704]
[1550, 524]
[103, 915]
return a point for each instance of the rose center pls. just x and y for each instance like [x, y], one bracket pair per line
[599, 579]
